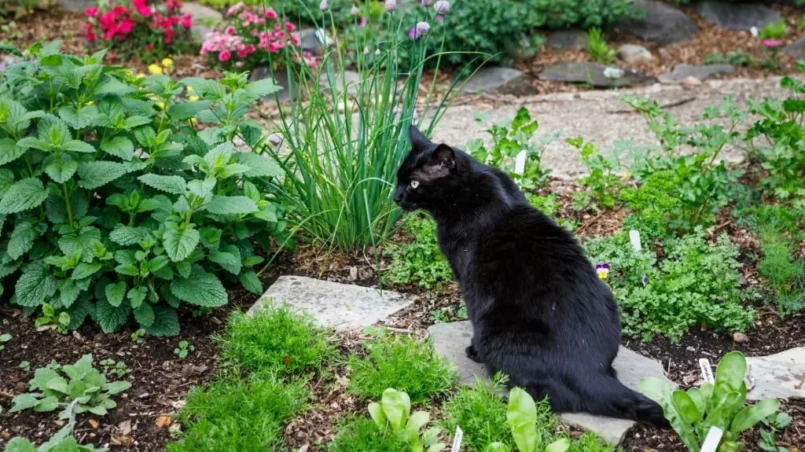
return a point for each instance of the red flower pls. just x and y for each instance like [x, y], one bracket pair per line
[186, 21]
[90, 36]
[149, 47]
[91, 12]
[167, 40]
[126, 26]
[290, 26]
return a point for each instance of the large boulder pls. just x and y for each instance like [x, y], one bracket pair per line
[660, 22]
[736, 16]
[568, 40]
[203, 19]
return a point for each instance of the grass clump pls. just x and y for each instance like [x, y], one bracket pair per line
[360, 434]
[240, 414]
[403, 363]
[420, 261]
[275, 339]
[782, 271]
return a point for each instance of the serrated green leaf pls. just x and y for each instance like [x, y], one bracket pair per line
[115, 293]
[79, 146]
[259, 165]
[60, 168]
[251, 282]
[261, 88]
[187, 110]
[136, 296]
[127, 235]
[180, 243]
[97, 174]
[116, 387]
[121, 147]
[85, 270]
[230, 205]
[169, 184]
[111, 85]
[6, 180]
[79, 119]
[111, 318]
[200, 289]
[128, 270]
[227, 260]
[35, 286]
[68, 293]
[144, 315]
[23, 195]
[22, 240]
[166, 322]
[9, 151]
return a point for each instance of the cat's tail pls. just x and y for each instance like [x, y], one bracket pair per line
[609, 397]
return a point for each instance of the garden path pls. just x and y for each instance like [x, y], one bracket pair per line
[600, 117]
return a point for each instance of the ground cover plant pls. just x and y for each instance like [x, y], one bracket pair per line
[419, 262]
[114, 205]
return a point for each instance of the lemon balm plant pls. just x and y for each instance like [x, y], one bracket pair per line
[344, 135]
[113, 206]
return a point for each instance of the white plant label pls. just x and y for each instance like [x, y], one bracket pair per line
[634, 237]
[712, 440]
[456, 447]
[707, 371]
[519, 163]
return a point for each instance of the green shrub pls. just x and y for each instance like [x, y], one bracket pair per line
[420, 261]
[403, 363]
[240, 414]
[275, 339]
[696, 284]
[61, 441]
[784, 272]
[603, 183]
[113, 205]
[736, 58]
[361, 434]
[598, 48]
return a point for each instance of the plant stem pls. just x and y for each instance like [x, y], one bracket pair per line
[67, 203]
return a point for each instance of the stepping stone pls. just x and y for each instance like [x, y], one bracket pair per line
[202, 15]
[450, 340]
[699, 71]
[500, 80]
[662, 23]
[594, 74]
[333, 305]
[737, 16]
[568, 40]
[779, 376]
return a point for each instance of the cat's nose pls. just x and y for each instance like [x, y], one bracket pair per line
[398, 196]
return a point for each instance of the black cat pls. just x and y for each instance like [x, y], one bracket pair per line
[539, 311]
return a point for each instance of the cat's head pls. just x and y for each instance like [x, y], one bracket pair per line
[425, 174]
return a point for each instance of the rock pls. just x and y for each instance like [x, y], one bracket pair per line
[568, 40]
[593, 74]
[665, 54]
[634, 54]
[699, 71]
[450, 340]
[202, 16]
[796, 48]
[691, 82]
[310, 42]
[736, 16]
[661, 23]
[333, 305]
[500, 80]
[351, 81]
[280, 78]
[739, 337]
[76, 5]
[781, 375]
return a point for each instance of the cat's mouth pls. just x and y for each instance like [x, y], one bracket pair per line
[406, 206]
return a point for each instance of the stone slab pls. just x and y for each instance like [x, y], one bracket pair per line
[500, 80]
[76, 5]
[699, 71]
[735, 15]
[593, 74]
[451, 339]
[661, 23]
[202, 15]
[333, 305]
[780, 376]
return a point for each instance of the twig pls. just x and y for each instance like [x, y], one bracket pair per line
[589, 223]
[669, 105]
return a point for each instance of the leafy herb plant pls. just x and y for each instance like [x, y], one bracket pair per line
[420, 261]
[183, 349]
[598, 47]
[61, 441]
[522, 417]
[721, 404]
[83, 390]
[603, 184]
[113, 206]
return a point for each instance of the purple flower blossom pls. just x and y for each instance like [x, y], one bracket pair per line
[442, 7]
[602, 270]
[362, 23]
[772, 43]
[427, 2]
[420, 30]
[644, 280]
[439, 18]
[354, 11]
[323, 5]
[391, 5]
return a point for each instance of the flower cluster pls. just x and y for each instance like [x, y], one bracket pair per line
[249, 35]
[140, 24]
[442, 7]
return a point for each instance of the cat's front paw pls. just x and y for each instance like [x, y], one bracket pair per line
[473, 354]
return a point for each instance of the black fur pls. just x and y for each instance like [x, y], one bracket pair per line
[539, 312]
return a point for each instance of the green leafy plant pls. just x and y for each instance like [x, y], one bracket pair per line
[603, 184]
[721, 404]
[400, 362]
[115, 206]
[84, 390]
[5, 337]
[420, 261]
[244, 414]
[394, 413]
[275, 339]
[783, 271]
[736, 58]
[510, 138]
[773, 30]
[183, 349]
[449, 314]
[598, 48]
[61, 441]
[59, 322]
[694, 284]
[522, 419]
[116, 368]
[137, 336]
[773, 424]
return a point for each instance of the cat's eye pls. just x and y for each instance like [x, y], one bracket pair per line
[414, 184]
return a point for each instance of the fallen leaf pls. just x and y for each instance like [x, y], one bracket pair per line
[124, 428]
[94, 423]
[164, 421]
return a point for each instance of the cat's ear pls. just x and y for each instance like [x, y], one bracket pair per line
[444, 156]
[419, 142]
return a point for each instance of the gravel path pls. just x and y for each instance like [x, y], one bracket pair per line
[599, 116]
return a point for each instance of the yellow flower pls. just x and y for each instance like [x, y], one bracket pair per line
[194, 98]
[167, 63]
[141, 75]
[193, 121]
[154, 69]
[189, 89]
[90, 103]
[161, 105]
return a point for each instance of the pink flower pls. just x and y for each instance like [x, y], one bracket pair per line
[187, 20]
[391, 5]
[271, 14]
[289, 26]
[230, 30]
[427, 2]
[362, 23]
[224, 56]
[323, 5]
[422, 29]
[239, 64]
[442, 7]
[126, 26]
[772, 43]
[354, 11]
[91, 12]
[235, 8]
